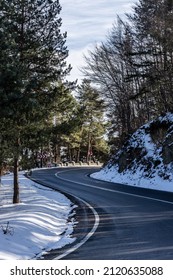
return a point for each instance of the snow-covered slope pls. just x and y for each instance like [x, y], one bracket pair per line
[146, 159]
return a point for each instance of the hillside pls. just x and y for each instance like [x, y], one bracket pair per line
[146, 159]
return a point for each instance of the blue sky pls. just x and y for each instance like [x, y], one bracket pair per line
[87, 23]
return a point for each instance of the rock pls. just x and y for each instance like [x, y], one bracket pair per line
[149, 148]
[167, 153]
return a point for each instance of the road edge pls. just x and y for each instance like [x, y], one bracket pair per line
[82, 205]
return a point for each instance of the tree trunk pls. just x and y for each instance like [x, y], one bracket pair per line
[78, 154]
[16, 181]
[69, 153]
[0, 175]
[88, 157]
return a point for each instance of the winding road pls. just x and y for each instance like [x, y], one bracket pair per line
[115, 222]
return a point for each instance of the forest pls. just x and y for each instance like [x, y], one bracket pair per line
[47, 120]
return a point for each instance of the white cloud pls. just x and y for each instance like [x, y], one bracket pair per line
[87, 22]
[76, 59]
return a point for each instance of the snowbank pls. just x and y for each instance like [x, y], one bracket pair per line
[42, 221]
[134, 179]
[146, 160]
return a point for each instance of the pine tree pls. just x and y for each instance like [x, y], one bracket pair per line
[93, 126]
[65, 121]
[32, 66]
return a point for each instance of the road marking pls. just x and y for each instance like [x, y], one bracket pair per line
[83, 241]
[109, 190]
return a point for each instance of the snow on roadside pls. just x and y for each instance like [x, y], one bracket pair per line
[133, 179]
[158, 177]
[42, 221]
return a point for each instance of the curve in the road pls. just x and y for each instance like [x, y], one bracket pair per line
[110, 190]
[85, 239]
[134, 223]
[89, 234]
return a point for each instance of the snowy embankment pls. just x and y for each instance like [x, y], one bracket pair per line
[42, 221]
[146, 159]
[133, 179]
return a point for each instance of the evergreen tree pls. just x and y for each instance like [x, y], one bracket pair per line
[93, 125]
[32, 66]
[65, 120]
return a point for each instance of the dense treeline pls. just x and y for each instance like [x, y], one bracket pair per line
[133, 68]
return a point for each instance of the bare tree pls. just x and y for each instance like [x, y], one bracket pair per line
[133, 68]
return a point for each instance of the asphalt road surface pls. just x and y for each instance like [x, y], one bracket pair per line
[117, 222]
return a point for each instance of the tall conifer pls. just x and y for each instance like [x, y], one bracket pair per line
[32, 66]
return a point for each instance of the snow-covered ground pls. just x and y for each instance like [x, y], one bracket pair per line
[42, 221]
[159, 177]
[133, 179]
